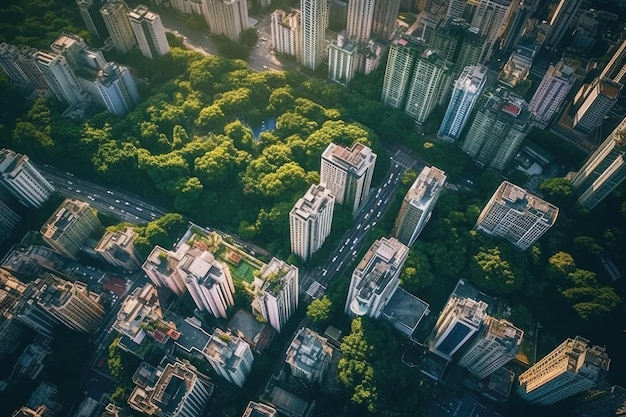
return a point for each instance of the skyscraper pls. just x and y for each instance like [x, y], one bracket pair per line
[8, 220]
[347, 172]
[561, 21]
[137, 310]
[571, 368]
[286, 33]
[22, 179]
[276, 293]
[606, 400]
[9, 61]
[160, 266]
[90, 12]
[149, 32]
[460, 319]
[116, 89]
[397, 73]
[310, 221]
[115, 15]
[376, 278]
[615, 69]
[309, 355]
[418, 205]
[501, 123]
[496, 343]
[458, 43]
[314, 18]
[360, 16]
[467, 90]
[604, 170]
[551, 93]
[384, 18]
[342, 60]
[230, 356]
[226, 17]
[118, 249]
[593, 102]
[60, 77]
[491, 18]
[517, 216]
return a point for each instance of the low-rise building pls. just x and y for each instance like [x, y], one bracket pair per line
[309, 355]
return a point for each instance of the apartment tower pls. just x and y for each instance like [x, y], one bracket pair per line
[115, 15]
[118, 249]
[276, 293]
[551, 93]
[230, 356]
[310, 221]
[593, 102]
[384, 18]
[572, 367]
[20, 177]
[360, 17]
[226, 17]
[60, 77]
[286, 33]
[90, 12]
[149, 32]
[615, 69]
[313, 22]
[309, 355]
[342, 60]
[562, 19]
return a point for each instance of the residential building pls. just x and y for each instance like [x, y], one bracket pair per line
[313, 22]
[230, 356]
[615, 69]
[138, 311]
[337, 15]
[309, 355]
[10, 63]
[160, 266]
[259, 410]
[517, 67]
[460, 319]
[593, 102]
[208, 281]
[551, 93]
[60, 78]
[495, 344]
[398, 72]
[457, 43]
[29, 313]
[418, 204]
[286, 33]
[501, 123]
[376, 278]
[347, 172]
[586, 31]
[360, 17]
[571, 368]
[90, 12]
[491, 18]
[604, 170]
[115, 15]
[226, 17]
[384, 18]
[606, 400]
[11, 292]
[518, 22]
[342, 60]
[71, 47]
[20, 177]
[467, 90]
[517, 216]
[118, 249]
[562, 19]
[70, 226]
[310, 220]
[276, 293]
[149, 32]
[175, 390]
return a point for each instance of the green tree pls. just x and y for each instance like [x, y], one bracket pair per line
[249, 37]
[491, 272]
[319, 310]
[558, 191]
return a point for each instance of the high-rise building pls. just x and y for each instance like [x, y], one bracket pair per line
[226, 17]
[118, 249]
[9, 62]
[90, 12]
[11, 292]
[376, 278]
[259, 410]
[615, 69]
[606, 400]
[71, 47]
[517, 216]
[458, 43]
[342, 60]
[276, 293]
[337, 15]
[491, 18]
[8, 220]
[360, 16]
[571, 368]
[604, 170]
[501, 123]
[384, 18]
[310, 221]
[593, 102]
[551, 93]
[313, 22]
[562, 20]
[496, 343]
[309, 355]
[160, 266]
[286, 33]
[208, 281]
[517, 67]
[138, 310]
[467, 90]
[70, 226]
[230, 356]
[347, 172]
[149, 32]
[460, 319]
[60, 77]
[20, 177]
[418, 205]
[517, 23]
[115, 15]
[115, 89]
[398, 73]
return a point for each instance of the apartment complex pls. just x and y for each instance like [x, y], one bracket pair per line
[230, 356]
[115, 15]
[313, 21]
[60, 77]
[117, 248]
[562, 19]
[418, 204]
[160, 266]
[310, 221]
[384, 18]
[551, 93]
[309, 355]
[138, 310]
[149, 32]
[347, 172]
[593, 102]
[276, 293]
[286, 33]
[360, 18]
[90, 12]
[342, 60]
[20, 177]
[226, 17]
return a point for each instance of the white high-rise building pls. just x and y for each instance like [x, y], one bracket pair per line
[465, 95]
[551, 93]
[460, 319]
[149, 32]
[310, 221]
[342, 60]
[226, 17]
[313, 22]
[230, 356]
[360, 17]
[427, 89]
[276, 293]
[376, 278]
[115, 89]
[418, 205]
[286, 33]
[115, 15]
[60, 78]
[21, 178]
[137, 310]
[496, 344]
[384, 18]
[571, 368]
[347, 172]
[491, 18]
[517, 216]
[160, 266]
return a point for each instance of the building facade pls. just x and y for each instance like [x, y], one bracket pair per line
[309, 355]
[60, 78]
[517, 216]
[313, 22]
[149, 32]
[117, 248]
[276, 293]
[359, 22]
[11, 292]
[384, 18]
[160, 266]
[551, 93]
[342, 60]
[562, 19]
[593, 102]
[20, 177]
[230, 356]
[286, 33]
[226, 17]
[90, 12]
[115, 15]
[310, 221]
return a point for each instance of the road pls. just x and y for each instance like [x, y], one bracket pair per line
[128, 207]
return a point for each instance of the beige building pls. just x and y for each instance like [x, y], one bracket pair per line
[276, 293]
[226, 17]
[286, 34]
[138, 310]
[230, 356]
[117, 248]
[115, 15]
[310, 221]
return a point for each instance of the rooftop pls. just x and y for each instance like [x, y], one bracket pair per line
[404, 311]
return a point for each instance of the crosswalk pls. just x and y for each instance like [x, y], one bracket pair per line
[316, 290]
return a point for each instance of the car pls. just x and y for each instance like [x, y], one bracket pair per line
[127, 203]
[109, 192]
[70, 183]
[366, 216]
[378, 214]
[341, 250]
[366, 227]
[334, 259]
[396, 165]
[117, 201]
[139, 208]
[358, 227]
[373, 224]
[379, 203]
[347, 241]
[77, 191]
[324, 272]
[356, 239]
[111, 208]
[354, 253]
[264, 66]
[91, 198]
[152, 215]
